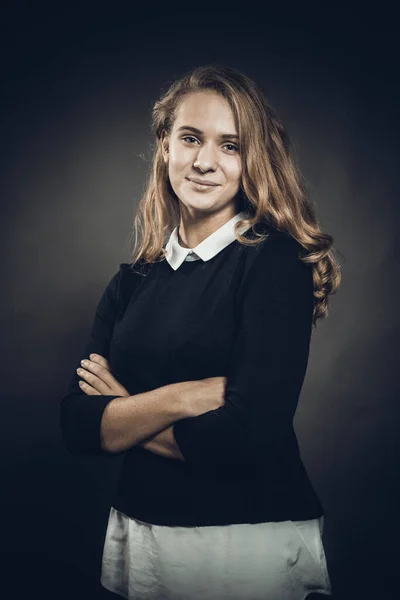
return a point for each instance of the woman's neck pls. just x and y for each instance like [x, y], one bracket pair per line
[192, 231]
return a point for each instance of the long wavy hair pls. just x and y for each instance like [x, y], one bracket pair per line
[272, 188]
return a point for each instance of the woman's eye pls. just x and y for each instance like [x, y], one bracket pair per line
[233, 147]
[189, 137]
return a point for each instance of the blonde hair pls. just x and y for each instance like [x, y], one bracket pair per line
[272, 189]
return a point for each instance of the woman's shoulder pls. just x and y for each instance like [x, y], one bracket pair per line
[275, 243]
[132, 269]
[124, 281]
[275, 265]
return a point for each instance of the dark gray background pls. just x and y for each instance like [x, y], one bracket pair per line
[78, 90]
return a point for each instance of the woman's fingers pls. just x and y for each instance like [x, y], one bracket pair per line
[103, 362]
[95, 376]
[88, 389]
[96, 371]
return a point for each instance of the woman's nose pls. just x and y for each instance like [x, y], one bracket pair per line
[206, 158]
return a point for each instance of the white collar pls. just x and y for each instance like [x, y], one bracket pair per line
[208, 248]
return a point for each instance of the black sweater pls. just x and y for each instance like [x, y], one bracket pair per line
[245, 314]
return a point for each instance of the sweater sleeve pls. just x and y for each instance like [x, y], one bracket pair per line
[267, 365]
[81, 414]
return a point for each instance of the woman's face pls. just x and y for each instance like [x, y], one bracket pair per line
[203, 145]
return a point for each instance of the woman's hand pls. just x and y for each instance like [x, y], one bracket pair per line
[98, 379]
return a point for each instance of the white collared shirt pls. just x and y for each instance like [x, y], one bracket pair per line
[208, 248]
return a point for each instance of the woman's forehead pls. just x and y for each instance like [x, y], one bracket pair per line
[206, 109]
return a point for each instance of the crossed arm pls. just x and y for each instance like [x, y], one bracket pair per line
[265, 376]
[164, 444]
[98, 380]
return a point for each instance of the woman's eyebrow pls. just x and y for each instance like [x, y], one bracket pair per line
[223, 136]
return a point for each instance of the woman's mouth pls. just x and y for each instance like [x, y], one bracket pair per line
[202, 187]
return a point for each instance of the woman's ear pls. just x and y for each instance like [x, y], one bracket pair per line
[165, 146]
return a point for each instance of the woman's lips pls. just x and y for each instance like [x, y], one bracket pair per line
[202, 187]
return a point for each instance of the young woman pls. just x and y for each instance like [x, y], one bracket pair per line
[197, 357]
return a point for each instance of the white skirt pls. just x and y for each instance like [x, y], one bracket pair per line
[263, 561]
